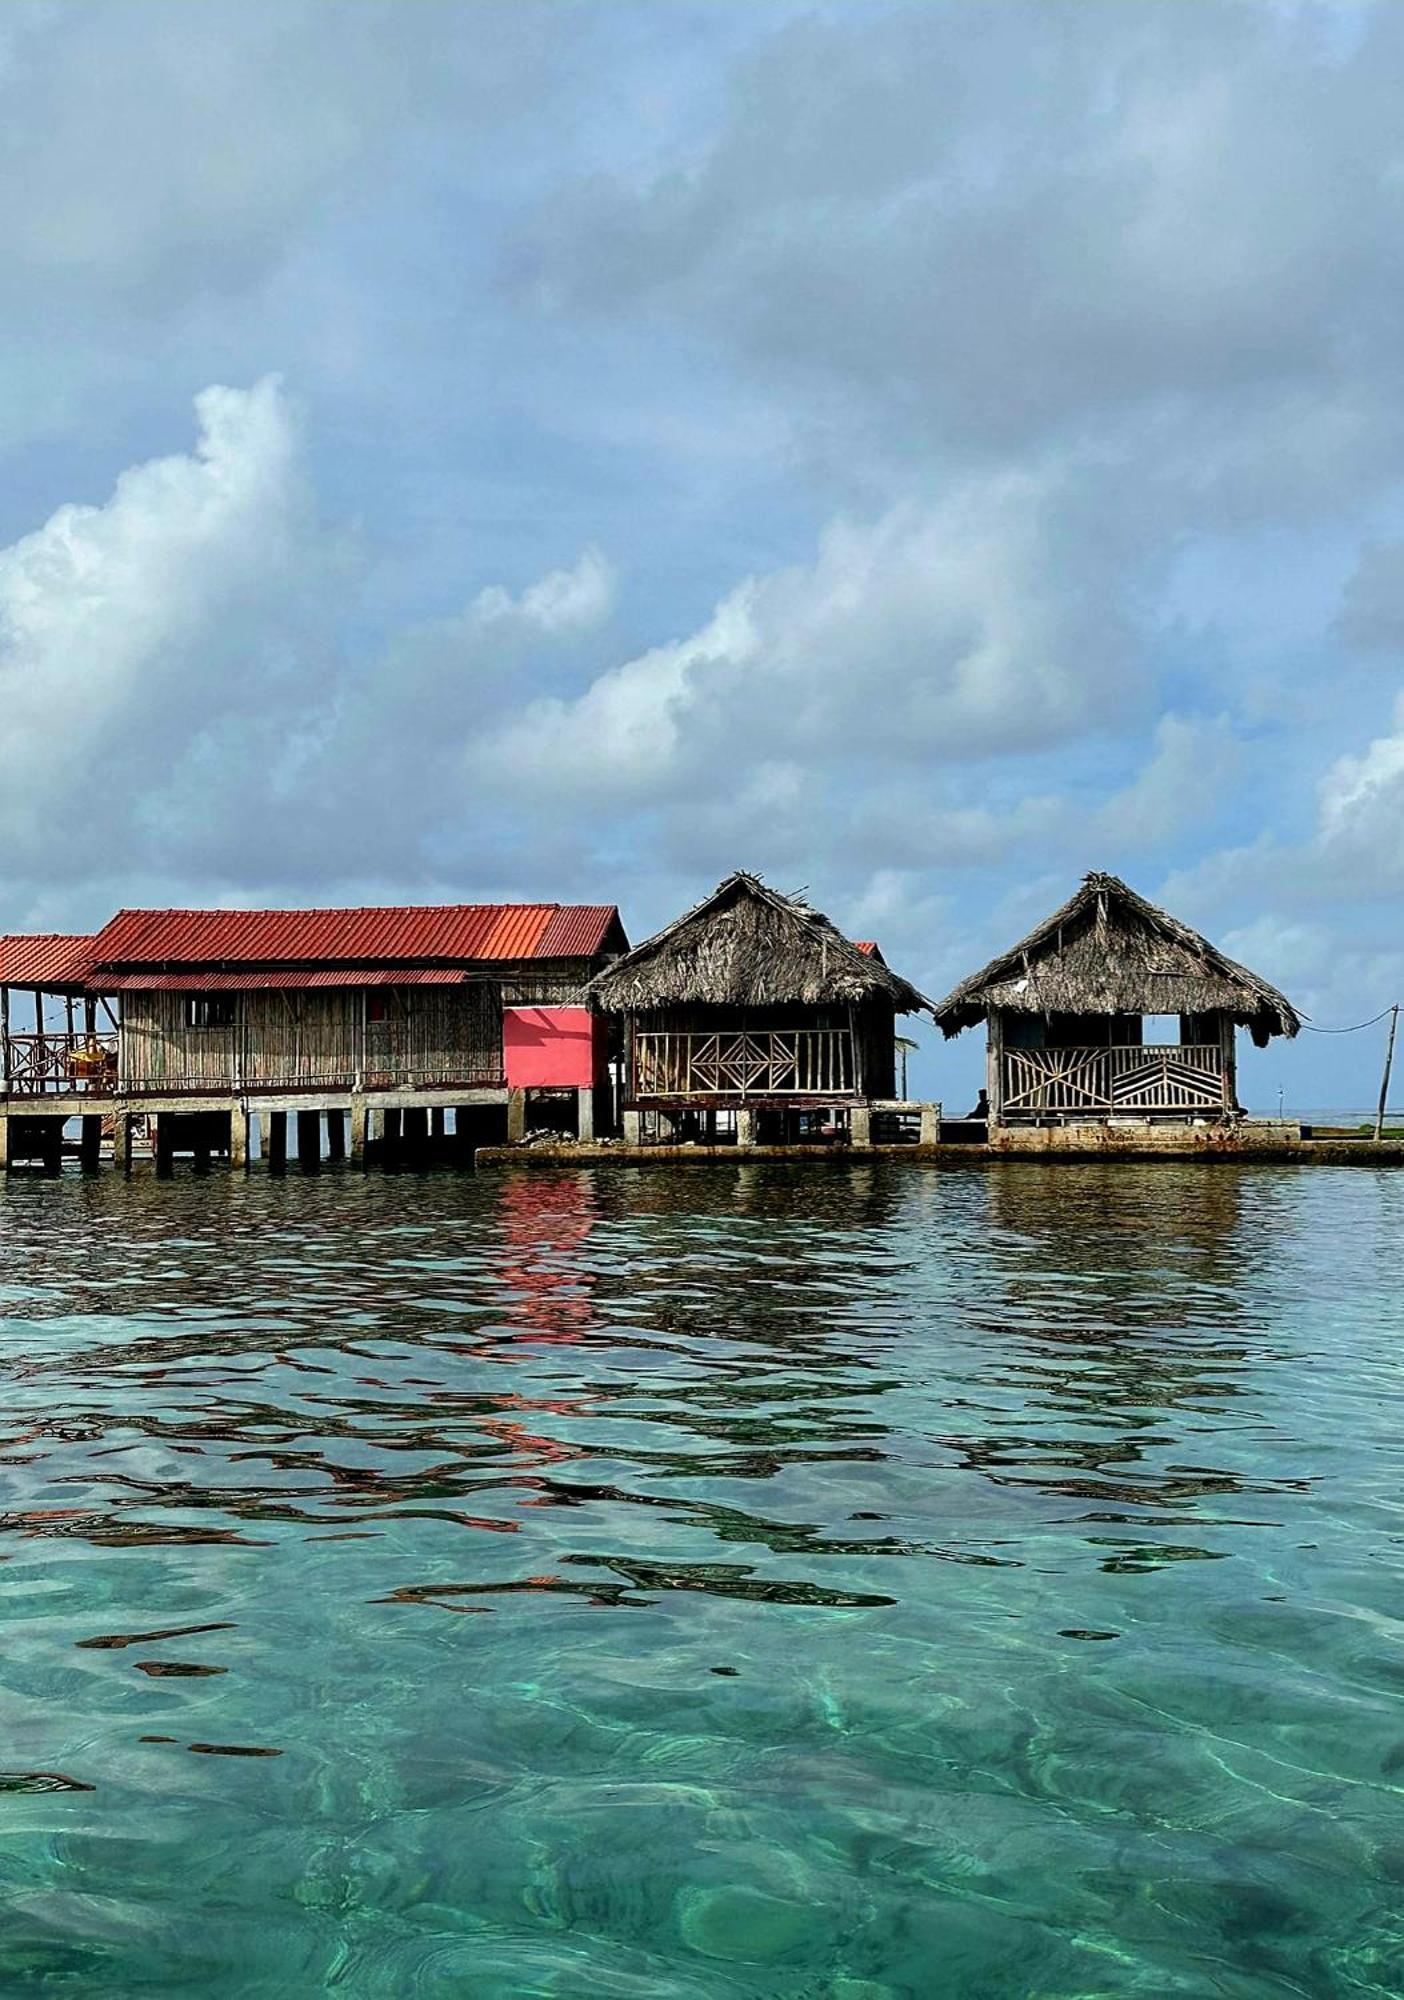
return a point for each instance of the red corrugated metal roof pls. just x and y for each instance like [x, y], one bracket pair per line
[577, 930]
[462, 933]
[50, 961]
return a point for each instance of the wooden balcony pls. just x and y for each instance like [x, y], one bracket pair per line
[59, 1064]
[735, 1066]
[1115, 1082]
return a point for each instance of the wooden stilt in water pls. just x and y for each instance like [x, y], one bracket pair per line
[360, 1130]
[122, 1142]
[275, 1139]
[164, 1142]
[414, 1133]
[4, 1141]
[239, 1137]
[336, 1135]
[90, 1145]
[438, 1123]
[309, 1139]
[391, 1146]
[516, 1117]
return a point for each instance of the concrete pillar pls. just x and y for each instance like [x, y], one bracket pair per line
[585, 1115]
[633, 1128]
[4, 1141]
[360, 1130]
[745, 1127]
[122, 1142]
[239, 1137]
[516, 1117]
[336, 1135]
[51, 1145]
[275, 1139]
[860, 1126]
[90, 1146]
[309, 1138]
[164, 1122]
[930, 1124]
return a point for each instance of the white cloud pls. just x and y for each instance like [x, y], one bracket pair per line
[129, 630]
[932, 634]
[1186, 783]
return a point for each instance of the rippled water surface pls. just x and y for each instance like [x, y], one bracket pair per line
[824, 1583]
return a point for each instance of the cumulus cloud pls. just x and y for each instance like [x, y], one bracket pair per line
[131, 630]
[931, 634]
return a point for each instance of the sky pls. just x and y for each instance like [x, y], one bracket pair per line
[921, 453]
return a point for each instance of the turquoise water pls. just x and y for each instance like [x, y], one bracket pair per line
[833, 1583]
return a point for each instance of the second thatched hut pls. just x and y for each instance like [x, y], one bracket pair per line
[1067, 1010]
[755, 1006]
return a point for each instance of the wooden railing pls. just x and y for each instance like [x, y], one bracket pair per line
[1100, 1082]
[38, 1064]
[770, 1062]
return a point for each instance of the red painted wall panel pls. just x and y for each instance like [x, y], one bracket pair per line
[552, 1047]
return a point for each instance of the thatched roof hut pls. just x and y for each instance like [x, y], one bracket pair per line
[1109, 951]
[746, 946]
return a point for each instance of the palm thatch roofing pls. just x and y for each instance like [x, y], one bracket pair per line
[746, 945]
[1109, 951]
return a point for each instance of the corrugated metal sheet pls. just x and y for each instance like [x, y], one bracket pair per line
[577, 930]
[459, 933]
[51, 961]
[258, 979]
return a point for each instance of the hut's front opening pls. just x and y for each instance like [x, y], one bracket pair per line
[795, 1069]
[1063, 1068]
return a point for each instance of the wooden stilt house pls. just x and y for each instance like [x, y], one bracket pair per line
[1069, 1007]
[752, 1003]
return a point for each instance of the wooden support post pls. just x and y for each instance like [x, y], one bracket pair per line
[994, 1066]
[585, 1115]
[90, 1145]
[390, 1147]
[201, 1144]
[239, 1137]
[516, 1117]
[633, 1127]
[438, 1122]
[164, 1122]
[275, 1139]
[336, 1135]
[122, 1141]
[360, 1130]
[860, 1126]
[4, 1037]
[745, 1128]
[51, 1144]
[1228, 1049]
[309, 1139]
[4, 1141]
[90, 1017]
[930, 1124]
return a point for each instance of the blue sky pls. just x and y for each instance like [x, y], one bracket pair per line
[918, 452]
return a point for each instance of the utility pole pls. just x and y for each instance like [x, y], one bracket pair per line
[1384, 1083]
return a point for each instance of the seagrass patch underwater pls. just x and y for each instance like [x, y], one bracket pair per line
[830, 1583]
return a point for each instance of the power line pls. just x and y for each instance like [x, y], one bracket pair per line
[1353, 1030]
